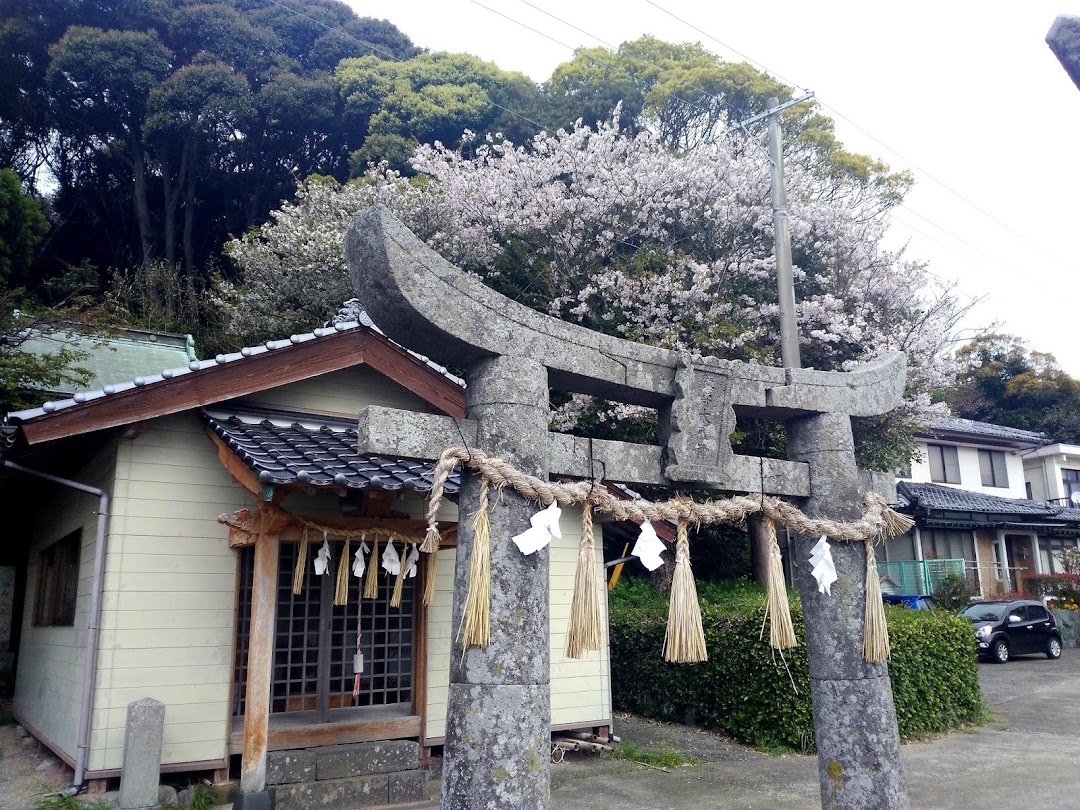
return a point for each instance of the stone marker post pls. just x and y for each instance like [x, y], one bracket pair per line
[142, 755]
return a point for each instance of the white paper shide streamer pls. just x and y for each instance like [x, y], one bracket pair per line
[545, 525]
[649, 547]
[391, 562]
[323, 558]
[824, 570]
[410, 562]
[360, 559]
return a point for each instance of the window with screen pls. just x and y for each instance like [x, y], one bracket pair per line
[315, 643]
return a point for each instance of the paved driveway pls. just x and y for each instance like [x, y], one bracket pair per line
[1025, 758]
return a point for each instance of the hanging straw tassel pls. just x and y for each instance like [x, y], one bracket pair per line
[781, 632]
[875, 631]
[301, 565]
[341, 592]
[371, 583]
[586, 630]
[476, 621]
[431, 562]
[399, 583]
[684, 641]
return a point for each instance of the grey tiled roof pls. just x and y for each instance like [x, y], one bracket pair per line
[954, 424]
[298, 449]
[220, 360]
[934, 496]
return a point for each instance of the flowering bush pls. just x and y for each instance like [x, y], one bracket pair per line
[1063, 588]
[621, 235]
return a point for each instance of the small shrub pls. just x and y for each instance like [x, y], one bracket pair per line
[953, 592]
[1065, 588]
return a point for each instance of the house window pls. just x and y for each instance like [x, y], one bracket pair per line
[992, 468]
[944, 464]
[1070, 482]
[945, 544]
[1050, 549]
[58, 582]
[315, 643]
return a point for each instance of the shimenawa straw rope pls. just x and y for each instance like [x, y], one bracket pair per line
[371, 582]
[778, 611]
[684, 641]
[876, 631]
[301, 564]
[476, 619]
[585, 631]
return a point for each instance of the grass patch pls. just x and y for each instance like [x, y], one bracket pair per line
[55, 801]
[666, 757]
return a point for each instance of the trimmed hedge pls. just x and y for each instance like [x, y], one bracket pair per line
[761, 698]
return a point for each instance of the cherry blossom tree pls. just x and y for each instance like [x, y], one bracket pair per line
[620, 234]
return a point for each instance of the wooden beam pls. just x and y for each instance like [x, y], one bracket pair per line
[415, 375]
[241, 472]
[285, 735]
[260, 664]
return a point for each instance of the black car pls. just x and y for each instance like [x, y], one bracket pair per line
[1003, 629]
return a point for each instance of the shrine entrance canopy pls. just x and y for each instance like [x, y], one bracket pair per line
[426, 303]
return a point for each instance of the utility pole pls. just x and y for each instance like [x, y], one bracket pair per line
[785, 281]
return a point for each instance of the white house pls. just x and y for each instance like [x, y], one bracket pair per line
[970, 494]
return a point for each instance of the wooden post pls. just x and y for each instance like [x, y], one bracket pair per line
[260, 663]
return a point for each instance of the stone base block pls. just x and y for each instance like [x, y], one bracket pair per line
[408, 786]
[358, 759]
[333, 794]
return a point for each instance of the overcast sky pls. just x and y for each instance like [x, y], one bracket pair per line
[966, 95]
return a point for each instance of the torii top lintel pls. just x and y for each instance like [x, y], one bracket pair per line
[427, 304]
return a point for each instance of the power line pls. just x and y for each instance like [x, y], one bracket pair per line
[843, 117]
[610, 47]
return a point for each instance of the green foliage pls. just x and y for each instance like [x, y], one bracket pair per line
[1002, 381]
[953, 592]
[933, 669]
[1063, 587]
[431, 97]
[24, 377]
[22, 228]
[55, 801]
[762, 698]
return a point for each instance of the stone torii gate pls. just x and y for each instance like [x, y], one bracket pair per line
[497, 734]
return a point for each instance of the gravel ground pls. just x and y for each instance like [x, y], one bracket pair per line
[27, 771]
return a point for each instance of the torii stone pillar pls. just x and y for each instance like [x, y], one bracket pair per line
[498, 715]
[499, 706]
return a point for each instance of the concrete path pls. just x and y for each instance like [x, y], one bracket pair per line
[1025, 758]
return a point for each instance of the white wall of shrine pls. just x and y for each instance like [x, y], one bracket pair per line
[580, 689]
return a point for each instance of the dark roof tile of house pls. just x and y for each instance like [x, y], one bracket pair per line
[934, 496]
[299, 449]
[954, 424]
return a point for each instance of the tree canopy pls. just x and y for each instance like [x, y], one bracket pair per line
[619, 194]
[1002, 380]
